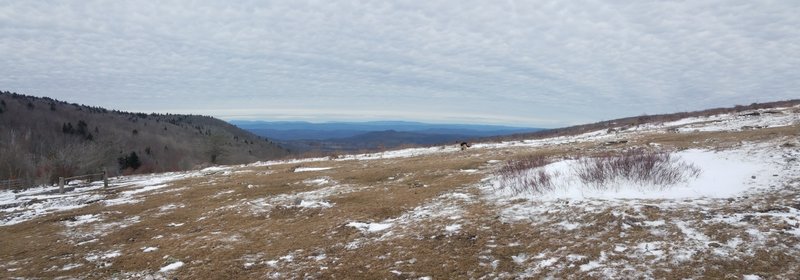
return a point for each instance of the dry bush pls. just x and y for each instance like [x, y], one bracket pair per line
[638, 166]
[526, 175]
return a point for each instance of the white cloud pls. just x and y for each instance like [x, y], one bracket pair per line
[543, 63]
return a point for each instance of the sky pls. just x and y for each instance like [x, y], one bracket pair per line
[521, 63]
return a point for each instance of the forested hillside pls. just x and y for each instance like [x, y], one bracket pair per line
[42, 139]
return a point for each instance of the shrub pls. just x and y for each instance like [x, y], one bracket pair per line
[641, 167]
[526, 175]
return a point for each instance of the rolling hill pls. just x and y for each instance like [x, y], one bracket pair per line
[43, 138]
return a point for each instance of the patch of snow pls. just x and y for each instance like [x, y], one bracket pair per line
[370, 227]
[149, 249]
[520, 259]
[575, 257]
[103, 256]
[310, 199]
[723, 174]
[319, 181]
[26, 208]
[83, 219]
[287, 258]
[569, 226]
[315, 204]
[172, 266]
[589, 266]
[71, 266]
[657, 223]
[650, 248]
[452, 228]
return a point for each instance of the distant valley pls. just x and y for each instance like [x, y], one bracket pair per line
[376, 135]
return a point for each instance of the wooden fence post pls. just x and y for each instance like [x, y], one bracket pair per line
[60, 184]
[105, 178]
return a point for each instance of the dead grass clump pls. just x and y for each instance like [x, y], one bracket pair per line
[645, 168]
[526, 175]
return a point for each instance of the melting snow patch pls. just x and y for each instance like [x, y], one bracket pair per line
[149, 249]
[569, 226]
[452, 228]
[547, 262]
[314, 204]
[370, 227]
[287, 258]
[71, 266]
[595, 264]
[723, 174]
[25, 208]
[174, 224]
[589, 266]
[657, 223]
[651, 248]
[82, 219]
[103, 256]
[172, 266]
[520, 259]
[319, 181]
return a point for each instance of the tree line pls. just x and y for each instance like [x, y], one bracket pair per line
[42, 139]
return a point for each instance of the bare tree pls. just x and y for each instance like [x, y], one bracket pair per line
[216, 147]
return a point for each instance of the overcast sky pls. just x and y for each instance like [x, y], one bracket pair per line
[524, 63]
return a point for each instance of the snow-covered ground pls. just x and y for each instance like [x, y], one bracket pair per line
[28, 204]
[722, 174]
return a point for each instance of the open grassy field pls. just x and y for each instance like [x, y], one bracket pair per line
[417, 214]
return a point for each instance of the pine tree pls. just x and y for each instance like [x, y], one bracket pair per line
[133, 161]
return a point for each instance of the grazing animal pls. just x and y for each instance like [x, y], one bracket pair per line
[465, 145]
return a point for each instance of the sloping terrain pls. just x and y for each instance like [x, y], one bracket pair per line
[436, 213]
[42, 139]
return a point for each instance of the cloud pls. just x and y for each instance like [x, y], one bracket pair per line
[546, 63]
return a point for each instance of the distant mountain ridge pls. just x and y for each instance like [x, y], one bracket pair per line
[333, 130]
[373, 135]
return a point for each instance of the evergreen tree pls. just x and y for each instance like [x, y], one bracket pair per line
[129, 161]
[133, 161]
